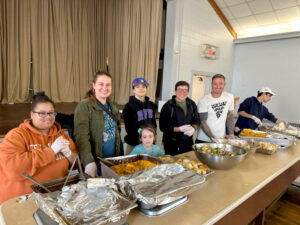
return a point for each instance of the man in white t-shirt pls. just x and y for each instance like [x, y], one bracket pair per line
[216, 112]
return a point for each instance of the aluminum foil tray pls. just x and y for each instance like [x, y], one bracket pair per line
[160, 185]
[57, 184]
[109, 173]
[267, 152]
[87, 203]
[282, 142]
[162, 209]
[176, 158]
[270, 128]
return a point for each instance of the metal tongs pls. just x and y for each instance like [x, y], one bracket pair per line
[35, 181]
[80, 170]
[66, 181]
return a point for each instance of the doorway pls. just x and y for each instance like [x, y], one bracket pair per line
[198, 87]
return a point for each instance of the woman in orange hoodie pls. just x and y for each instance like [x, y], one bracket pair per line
[38, 147]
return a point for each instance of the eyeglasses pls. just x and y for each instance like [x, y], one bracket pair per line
[44, 114]
[182, 90]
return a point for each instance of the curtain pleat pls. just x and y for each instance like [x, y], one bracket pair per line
[16, 54]
[69, 40]
[2, 46]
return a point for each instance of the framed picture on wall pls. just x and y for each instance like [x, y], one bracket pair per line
[210, 51]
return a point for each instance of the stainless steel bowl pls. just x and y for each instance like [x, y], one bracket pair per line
[220, 162]
[250, 145]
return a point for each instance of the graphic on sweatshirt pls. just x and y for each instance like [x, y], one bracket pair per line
[145, 114]
[40, 147]
[218, 108]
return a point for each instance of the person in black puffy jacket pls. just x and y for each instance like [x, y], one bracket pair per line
[178, 121]
[139, 110]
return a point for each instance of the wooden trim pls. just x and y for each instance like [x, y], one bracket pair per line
[223, 18]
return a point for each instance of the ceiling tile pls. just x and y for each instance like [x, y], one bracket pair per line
[260, 6]
[227, 13]
[266, 19]
[247, 22]
[236, 26]
[240, 10]
[282, 4]
[287, 15]
[233, 2]
[220, 3]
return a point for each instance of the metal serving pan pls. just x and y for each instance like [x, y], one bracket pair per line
[57, 184]
[270, 128]
[282, 142]
[109, 173]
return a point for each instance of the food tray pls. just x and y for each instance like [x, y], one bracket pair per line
[162, 209]
[176, 158]
[160, 185]
[265, 151]
[283, 142]
[269, 128]
[57, 184]
[108, 173]
[77, 209]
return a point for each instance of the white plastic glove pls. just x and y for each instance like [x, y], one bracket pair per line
[237, 129]
[190, 131]
[59, 144]
[91, 169]
[256, 120]
[184, 128]
[290, 127]
[67, 152]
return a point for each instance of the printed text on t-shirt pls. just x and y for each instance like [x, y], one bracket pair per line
[218, 108]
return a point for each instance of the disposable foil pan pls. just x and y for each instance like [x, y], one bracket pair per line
[57, 184]
[109, 173]
[283, 142]
[160, 185]
[95, 202]
[174, 158]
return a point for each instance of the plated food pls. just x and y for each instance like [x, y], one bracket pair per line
[132, 167]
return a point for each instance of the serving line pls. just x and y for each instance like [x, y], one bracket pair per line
[238, 194]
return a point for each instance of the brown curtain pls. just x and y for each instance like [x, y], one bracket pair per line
[2, 34]
[131, 37]
[15, 39]
[69, 40]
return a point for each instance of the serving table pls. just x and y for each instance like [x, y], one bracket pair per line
[235, 196]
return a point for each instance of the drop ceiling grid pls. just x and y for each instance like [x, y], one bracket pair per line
[246, 14]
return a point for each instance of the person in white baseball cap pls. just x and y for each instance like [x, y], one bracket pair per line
[252, 111]
[266, 90]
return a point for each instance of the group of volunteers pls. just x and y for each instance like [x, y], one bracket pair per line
[40, 148]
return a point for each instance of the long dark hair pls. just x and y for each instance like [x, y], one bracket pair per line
[40, 97]
[91, 93]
